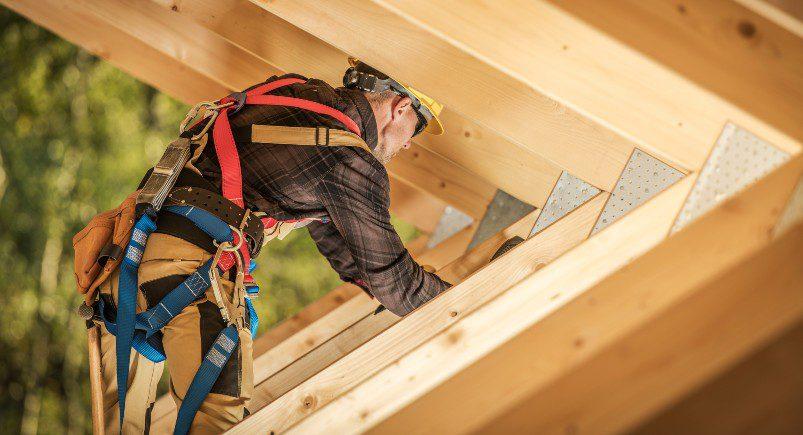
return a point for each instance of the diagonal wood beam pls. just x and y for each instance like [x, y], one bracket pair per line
[443, 66]
[536, 74]
[171, 75]
[513, 168]
[227, 63]
[221, 62]
[327, 329]
[617, 283]
[314, 393]
[719, 44]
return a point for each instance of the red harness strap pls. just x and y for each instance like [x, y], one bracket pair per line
[229, 158]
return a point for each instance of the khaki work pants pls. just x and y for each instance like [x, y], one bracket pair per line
[167, 260]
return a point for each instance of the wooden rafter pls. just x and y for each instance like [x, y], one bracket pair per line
[171, 74]
[536, 74]
[617, 282]
[473, 146]
[719, 44]
[481, 286]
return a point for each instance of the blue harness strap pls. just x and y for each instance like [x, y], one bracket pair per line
[127, 303]
[207, 374]
[143, 331]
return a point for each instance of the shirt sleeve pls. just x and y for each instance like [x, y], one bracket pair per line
[356, 196]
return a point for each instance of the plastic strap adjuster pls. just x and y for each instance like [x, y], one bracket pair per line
[318, 136]
[238, 98]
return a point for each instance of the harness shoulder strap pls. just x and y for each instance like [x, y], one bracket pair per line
[309, 136]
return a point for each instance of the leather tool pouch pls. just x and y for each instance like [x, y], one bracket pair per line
[99, 246]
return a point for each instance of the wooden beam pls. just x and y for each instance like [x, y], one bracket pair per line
[331, 327]
[470, 84]
[738, 310]
[586, 305]
[719, 44]
[479, 149]
[235, 68]
[169, 73]
[290, 340]
[761, 394]
[130, 55]
[507, 53]
[406, 333]
[785, 13]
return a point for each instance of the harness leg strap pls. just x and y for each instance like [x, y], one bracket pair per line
[127, 303]
[202, 383]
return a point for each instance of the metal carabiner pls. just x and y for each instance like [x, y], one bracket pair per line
[213, 108]
[227, 246]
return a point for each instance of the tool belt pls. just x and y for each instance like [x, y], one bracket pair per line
[185, 205]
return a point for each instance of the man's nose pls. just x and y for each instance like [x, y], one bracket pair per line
[408, 144]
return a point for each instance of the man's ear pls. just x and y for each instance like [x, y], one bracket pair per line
[401, 105]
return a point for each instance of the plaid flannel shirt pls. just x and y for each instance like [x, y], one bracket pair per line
[349, 186]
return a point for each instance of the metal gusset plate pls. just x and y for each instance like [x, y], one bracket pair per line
[738, 159]
[503, 211]
[793, 213]
[451, 222]
[569, 193]
[644, 176]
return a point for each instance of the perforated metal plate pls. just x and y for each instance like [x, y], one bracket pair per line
[793, 213]
[738, 159]
[451, 222]
[503, 211]
[644, 176]
[569, 193]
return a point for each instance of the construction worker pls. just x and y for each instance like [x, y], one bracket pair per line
[286, 153]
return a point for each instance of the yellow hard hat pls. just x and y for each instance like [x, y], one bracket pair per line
[366, 78]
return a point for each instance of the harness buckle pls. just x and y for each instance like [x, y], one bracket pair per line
[238, 100]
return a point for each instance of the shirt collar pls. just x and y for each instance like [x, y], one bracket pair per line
[361, 113]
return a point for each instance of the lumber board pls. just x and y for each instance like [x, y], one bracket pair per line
[464, 80]
[310, 326]
[785, 13]
[657, 108]
[330, 326]
[466, 46]
[738, 310]
[761, 394]
[557, 321]
[126, 53]
[434, 316]
[479, 149]
[274, 375]
[719, 44]
[170, 75]
[235, 68]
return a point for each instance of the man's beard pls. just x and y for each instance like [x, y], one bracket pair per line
[383, 152]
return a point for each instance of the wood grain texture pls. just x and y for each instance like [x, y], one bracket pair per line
[464, 79]
[225, 62]
[556, 321]
[763, 393]
[434, 316]
[719, 44]
[606, 81]
[479, 149]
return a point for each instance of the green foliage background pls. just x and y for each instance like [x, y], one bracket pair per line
[76, 135]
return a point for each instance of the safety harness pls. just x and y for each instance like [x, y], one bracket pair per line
[236, 231]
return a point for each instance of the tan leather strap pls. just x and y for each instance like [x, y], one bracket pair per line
[310, 136]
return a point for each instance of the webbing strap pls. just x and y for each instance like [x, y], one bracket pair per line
[308, 136]
[226, 148]
[127, 303]
[207, 374]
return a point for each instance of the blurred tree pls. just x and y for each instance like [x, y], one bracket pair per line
[76, 135]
